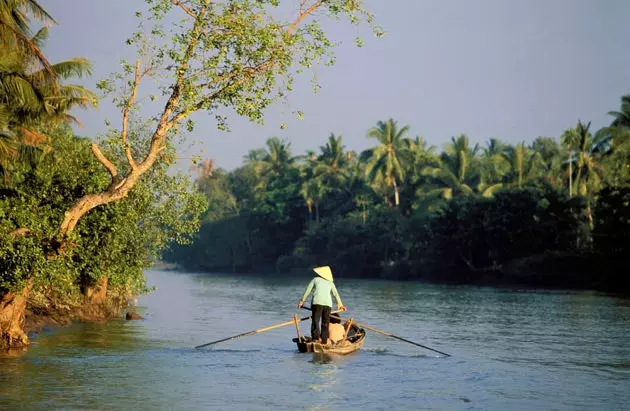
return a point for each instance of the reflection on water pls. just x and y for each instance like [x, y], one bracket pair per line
[512, 349]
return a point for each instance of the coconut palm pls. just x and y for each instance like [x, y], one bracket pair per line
[275, 159]
[622, 117]
[524, 164]
[419, 151]
[614, 141]
[385, 162]
[32, 95]
[33, 98]
[457, 170]
[582, 159]
[313, 191]
[331, 164]
[15, 33]
[493, 168]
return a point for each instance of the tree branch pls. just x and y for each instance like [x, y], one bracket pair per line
[157, 141]
[186, 9]
[126, 111]
[245, 70]
[20, 232]
[303, 15]
[105, 162]
[249, 72]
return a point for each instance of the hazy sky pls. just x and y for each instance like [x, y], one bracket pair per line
[512, 69]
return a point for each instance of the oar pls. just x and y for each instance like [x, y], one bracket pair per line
[367, 327]
[258, 331]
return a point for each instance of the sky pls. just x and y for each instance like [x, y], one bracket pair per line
[510, 69]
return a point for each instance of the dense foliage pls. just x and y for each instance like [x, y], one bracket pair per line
[118, 241]
[45, 168]
[552, 212]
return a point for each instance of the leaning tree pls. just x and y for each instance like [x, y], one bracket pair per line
[213, 56]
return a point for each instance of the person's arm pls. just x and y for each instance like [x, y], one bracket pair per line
[306, 293]
[336, 294]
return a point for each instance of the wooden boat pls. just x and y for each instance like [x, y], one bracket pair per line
[353, 341]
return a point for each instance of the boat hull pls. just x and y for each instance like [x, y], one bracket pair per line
[353, 342]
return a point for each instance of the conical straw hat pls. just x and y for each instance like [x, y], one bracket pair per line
[324, 272]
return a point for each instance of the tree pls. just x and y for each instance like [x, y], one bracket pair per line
[615, 139]
[493, 166]
[552, 158]
[313, 191]
[31, 96]
[622, 117]
[235, 55]
[385, 163]
[276, 159]
[523, 164]
[16, 34]
[456, 172]
[115, 245]
[584, 163]
[331, 164]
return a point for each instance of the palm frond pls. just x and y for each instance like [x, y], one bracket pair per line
[75, 67]
[20, 91]
[40, 38]
[32, 137]
[24, 42]
[490, 191]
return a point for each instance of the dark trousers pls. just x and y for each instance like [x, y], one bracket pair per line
[320, 312]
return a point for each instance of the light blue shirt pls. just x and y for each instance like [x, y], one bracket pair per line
[321, 292]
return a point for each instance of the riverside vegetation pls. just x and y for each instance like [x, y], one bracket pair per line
[553, 212]
[82, 218]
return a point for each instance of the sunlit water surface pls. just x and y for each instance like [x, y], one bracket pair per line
[511, 350]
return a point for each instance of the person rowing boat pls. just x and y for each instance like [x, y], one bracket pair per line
[322, 286]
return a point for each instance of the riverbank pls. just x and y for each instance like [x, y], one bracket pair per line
[40, 319]
[548, 270]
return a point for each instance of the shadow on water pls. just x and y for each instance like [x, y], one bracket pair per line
[320, 358]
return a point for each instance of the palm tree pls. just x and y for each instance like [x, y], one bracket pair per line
[275, 160]
[419, 150]
[587, 173]
[494, 147]
[622, 117]
[32, 95]
[15, 34]
[523, 163]
[385, 162]
[331, 164]
[493, 166]
[456, 172]
[313, 191]
[551, 159]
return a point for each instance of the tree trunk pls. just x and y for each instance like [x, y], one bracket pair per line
[570, 175]
[12, 309]
[396, 197]
[96, 295]
[116, 191]
[310, 212]
[317, 212]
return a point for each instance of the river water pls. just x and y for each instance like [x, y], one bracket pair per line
[511, 350]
